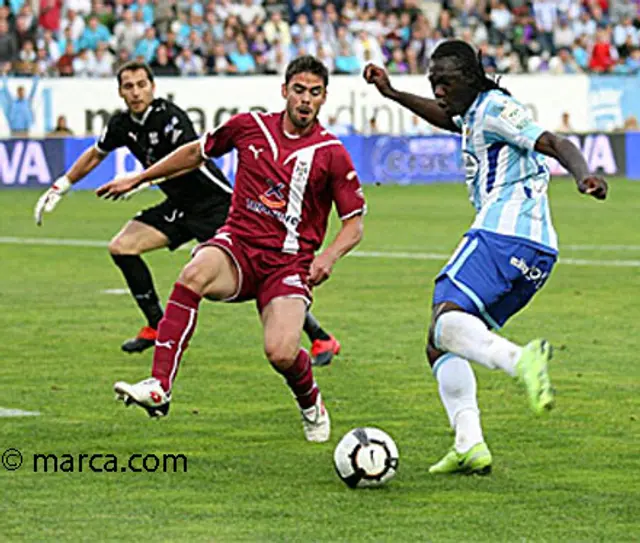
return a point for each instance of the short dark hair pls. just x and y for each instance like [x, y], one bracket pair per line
[132, 66]
[469, 62]
[307, 64]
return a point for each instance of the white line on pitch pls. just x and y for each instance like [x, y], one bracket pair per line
[361, 254]
[4, 412]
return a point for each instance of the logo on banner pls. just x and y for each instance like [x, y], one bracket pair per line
[417, 159]
[22, 162]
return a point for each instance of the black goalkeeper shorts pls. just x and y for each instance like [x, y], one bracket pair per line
[183, 226]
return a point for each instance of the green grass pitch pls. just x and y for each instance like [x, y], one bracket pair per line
[572, 476]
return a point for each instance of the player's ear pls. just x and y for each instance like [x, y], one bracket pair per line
[284, 90]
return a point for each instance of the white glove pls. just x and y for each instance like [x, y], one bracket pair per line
[49, 200]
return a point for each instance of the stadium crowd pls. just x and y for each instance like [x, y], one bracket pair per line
[91, 38]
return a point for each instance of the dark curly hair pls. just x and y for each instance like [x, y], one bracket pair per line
[470, 63]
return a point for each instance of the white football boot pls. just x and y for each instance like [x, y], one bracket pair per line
[148, 394]
[316, 422]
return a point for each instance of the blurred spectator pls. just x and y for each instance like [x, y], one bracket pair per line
[585, 26]
[81, 63]
[189, 64]
[546, 16]
[147, 46]
[249, 12]
[580, 54]
[146, 9]
[50, 13]
[398, 64]
[563, 34]
[127, 32]
[564, 63]
[17, 111]
[50, 45]
[162, 64]
[633, 60]
[79, 6]
[500, 18]
[43, 63]
[621, 9]
[73, 21]
[8, 43]
[242, 58]
[261, 36]
[173, 49]
[625, 34]
[61, 129]
[631, 124]
[101, 63]
[26, 63]
[565, 124]
[93, 34]
[67, 39]
[602, 54]
[371, 128]
[346, 62]
[65, 62]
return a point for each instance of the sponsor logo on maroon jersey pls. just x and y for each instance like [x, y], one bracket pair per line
[273, 197]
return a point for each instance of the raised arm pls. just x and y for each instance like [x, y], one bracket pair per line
[34, 87]
[425, 108]
[569, 156]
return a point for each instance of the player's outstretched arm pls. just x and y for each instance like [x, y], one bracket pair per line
[569, 156]
[184, 159]
[85, 163]
[425, 108]
[346, 239]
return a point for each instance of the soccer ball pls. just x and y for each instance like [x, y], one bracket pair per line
[366, 457]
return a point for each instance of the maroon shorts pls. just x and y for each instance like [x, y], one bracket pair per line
[264, 274]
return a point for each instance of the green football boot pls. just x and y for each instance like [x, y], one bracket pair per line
[533, 373]
[477, 460]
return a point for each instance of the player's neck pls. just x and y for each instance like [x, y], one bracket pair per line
[292, 131]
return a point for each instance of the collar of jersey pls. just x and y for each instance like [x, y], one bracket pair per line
[144, 117]
[475, 105]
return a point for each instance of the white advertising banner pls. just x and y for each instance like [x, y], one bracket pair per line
[87, 103]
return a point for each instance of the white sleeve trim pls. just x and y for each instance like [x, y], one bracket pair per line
[203, 141]
[101, 151]
[360, 211]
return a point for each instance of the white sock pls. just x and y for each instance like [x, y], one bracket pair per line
[457, 388]
[467, 336]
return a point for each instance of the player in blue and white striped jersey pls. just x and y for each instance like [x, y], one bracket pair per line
[508, 253]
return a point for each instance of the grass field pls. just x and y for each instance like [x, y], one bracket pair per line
[574, 476]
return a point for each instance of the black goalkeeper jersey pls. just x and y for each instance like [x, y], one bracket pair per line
[162, 129]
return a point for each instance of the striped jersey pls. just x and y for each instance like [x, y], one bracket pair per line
[285, 185]
[507, 180]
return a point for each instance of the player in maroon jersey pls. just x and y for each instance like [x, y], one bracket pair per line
[290, 172]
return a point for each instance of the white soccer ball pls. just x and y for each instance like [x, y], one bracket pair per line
[366, 457]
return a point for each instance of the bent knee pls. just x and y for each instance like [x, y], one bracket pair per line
[197, 277]
[121, 245]
[432, 353]
[281, 353]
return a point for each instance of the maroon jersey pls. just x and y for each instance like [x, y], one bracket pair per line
[285, 185]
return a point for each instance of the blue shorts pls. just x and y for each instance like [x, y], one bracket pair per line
[493, 276]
